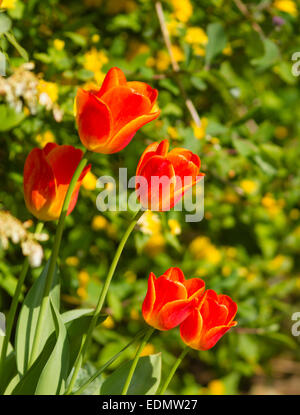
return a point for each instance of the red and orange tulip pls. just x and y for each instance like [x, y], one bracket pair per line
[109, 118]
[208, 321]
[47, 175]
[163, 177]
[170, 298]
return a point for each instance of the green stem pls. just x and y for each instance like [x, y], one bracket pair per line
[108, 363]
[55, 251]
[173, 370]
[136, 359]
[87, 337]
[14, 305]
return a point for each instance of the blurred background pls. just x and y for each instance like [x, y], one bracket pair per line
[233, 60]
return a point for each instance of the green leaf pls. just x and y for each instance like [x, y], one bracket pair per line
[244, 147]
[5, 23]
[26, 325]
[76, 38]
[9, 370]
[271, 55]
[11, 38]
[9, 117]
[76, 322]
[145, 380]
[217, 41]
[54, 375]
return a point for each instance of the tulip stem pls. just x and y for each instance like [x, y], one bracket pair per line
[140, 348]
[87, 337]
[52, 264]
[173, 370]
[14, 304]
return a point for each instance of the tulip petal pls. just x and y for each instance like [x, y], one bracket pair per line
[39, 184]
[150, 298]
[167, 291]
[213, 313]
[114, 77]
[175, 274]
[125, 106]
[94, 121]
[214, 335]
[195, 287]
[231, 306]
[191, 329]
[158, 194]
[174, 313]
[159, 149]
[144, 89]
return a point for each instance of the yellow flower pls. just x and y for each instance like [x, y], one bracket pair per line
[48, 91]
[200, 132]
[8, 4]
[177, 53]
[82, 293]
[199, 50]
[150, 62]
[99, 77]
[172, 132]
[148, 349]
[83, 278]
[227, 50]
[94, 60]
[216, 387]
[58, 44]
[44, 138]
[196, 36]
[150, 223]
[202, 248]
[276, 263]
[287, 6]
[162, 60]
[231, 252]
[155, 245]
[231, 197]
[134, 314]
[130, 276]
[272, 205]
[251, 276]
[242, 271]
[95, 38]
[72, 261]
[183, 9]
[281, 132]
[174, 226]
[89, 181]
[99, 223]
[173, 27]
[249, 186]
[226, 270]
[108, 323]
[136, 48]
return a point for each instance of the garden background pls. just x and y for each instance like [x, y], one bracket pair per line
[233, 61]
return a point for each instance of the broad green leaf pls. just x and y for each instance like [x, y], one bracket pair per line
[244, 147]
[270, 56]
[9, 370]
[5, 23]
[9, 117]
[84, 375]
[145, 380]
[54, 375]
[77, 322]
[216, 41]
[26, 325]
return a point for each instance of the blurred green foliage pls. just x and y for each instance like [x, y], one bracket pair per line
[237, 69]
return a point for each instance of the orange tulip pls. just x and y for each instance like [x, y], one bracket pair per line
[47, 175]
[170, 298]
[209, 321]
[163, 177]
[109, 118]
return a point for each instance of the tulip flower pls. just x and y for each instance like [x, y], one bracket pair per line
[47, 175]
[209, 321]
[109, 118]
[170, 298]
[163, 177]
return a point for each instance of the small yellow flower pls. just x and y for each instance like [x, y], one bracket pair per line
[199, 50]
[183, 9]
[287, 6]
[94, 60]
[44, 138]
[150, 62]
[99, 223]
[108, 323]
[95, 38]
[99, 77]
[155, 245]
[231, 252]
[214, 140]
[276, 263]
[202, 248]
[249, 186]
[177, 53]
[162, 60]
[150, 223]
[216, 387]
[58, 44]
[242, 271]
[174, 226]
[148, 349]
[134, 314]
[72, 261]
[281, 132]
[48, 91]
[173, 27]
[8, 4]
[196, 36]
[226, 270]
[251, 276]
[89, 181]
[200, 132]
[82, 293]
[227, 50]
[172, 132]
[83, 278]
